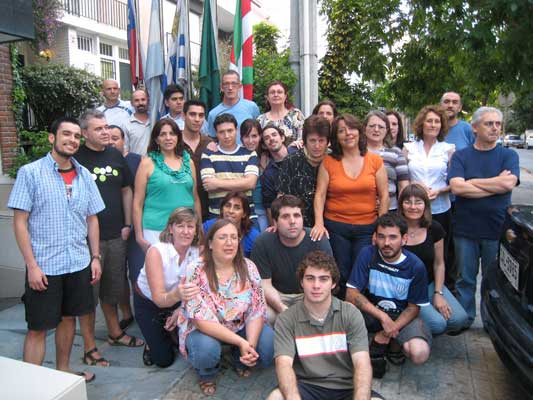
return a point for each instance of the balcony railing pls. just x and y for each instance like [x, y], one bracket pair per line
[108, 12]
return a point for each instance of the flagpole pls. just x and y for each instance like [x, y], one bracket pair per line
[188, 59]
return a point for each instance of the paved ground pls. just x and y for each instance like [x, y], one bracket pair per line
[461, 367]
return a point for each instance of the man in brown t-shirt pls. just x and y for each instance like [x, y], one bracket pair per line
[194, 118]
[321, 343]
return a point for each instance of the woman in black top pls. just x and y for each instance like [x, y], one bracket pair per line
[425, 238]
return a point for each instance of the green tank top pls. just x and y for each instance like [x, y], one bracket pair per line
[166, 190]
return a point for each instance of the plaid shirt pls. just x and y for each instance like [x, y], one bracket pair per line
[57, 225]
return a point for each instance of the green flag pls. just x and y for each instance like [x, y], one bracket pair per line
[209, 73]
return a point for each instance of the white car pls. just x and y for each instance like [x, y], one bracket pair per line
[512, 140]
[529, 138]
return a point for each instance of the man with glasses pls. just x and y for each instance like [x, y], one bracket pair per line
[482, 177]
[232, 104]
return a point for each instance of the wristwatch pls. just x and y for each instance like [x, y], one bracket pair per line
[98, 256]
[438, 292]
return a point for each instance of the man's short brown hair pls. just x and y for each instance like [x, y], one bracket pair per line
[320, 260]
[286, 200]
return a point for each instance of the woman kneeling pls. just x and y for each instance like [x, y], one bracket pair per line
[229, 309]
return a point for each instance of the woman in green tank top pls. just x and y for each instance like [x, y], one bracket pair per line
[165, 180]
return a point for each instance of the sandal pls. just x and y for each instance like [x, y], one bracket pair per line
[133, 342]
[86, 375]
[395, 357]
[89, 359]
[243, 372]
[147, 357]
[124, 323]
[208, 388]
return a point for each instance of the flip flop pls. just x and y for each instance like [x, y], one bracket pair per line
[84, 375]
[124, 323]
[133, 342]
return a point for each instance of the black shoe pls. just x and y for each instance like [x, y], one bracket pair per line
[458, 332]
[376, 396]
[379, 366]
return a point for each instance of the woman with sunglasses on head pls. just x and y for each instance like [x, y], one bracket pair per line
[379, 141]
[425, 238]
[235, 207]
[282, 113]
[230, 308]
[161, 286]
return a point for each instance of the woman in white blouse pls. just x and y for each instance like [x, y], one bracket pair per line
[428, 158]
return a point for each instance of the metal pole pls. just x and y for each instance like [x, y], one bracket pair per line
[188, 89]
[294, 57]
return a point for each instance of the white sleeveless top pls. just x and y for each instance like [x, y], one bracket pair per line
[173, 270]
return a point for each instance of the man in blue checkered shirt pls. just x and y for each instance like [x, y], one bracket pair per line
[55, 202]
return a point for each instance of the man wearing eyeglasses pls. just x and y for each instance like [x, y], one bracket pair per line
[232, 104]
[482, 177]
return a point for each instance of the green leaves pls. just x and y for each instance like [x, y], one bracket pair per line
[54, 90]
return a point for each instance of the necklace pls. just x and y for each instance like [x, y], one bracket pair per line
[321, 318]
[413, 233]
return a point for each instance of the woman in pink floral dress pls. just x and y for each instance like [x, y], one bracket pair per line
[229, 309]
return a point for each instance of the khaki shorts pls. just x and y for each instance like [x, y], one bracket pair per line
[111, 287]
[288, 300]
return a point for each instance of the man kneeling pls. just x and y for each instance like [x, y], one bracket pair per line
[321, 343]
[395, 282]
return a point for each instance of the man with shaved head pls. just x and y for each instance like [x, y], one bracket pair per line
[117, 111]
[459, 132]
[138, 127]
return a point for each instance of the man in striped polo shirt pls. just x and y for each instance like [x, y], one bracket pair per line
[231, 168]
[321, 343]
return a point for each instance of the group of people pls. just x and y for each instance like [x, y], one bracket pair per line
[288, 238]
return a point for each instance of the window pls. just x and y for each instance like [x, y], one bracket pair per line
[85, 43]
[123, 53]
[106, 49]
[108, 69]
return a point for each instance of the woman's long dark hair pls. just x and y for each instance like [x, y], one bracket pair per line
[153, 146]
[246, 222]
[239, 262]
[352, 123]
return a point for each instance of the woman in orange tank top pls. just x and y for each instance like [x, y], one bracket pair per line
[351, 191]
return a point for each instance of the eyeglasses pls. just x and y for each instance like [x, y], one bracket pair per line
[490, 124]
[374, 126]
[230, 84]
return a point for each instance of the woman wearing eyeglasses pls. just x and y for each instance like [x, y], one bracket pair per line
[230, 308]
[425, 238]
[281, 113]
[428, 159]
[379, 141]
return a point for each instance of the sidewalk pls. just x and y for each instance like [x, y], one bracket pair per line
[461, 367]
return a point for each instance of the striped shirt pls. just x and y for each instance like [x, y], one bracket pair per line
[221, 164]
[117, 114]
[57, 224]
[397, 170]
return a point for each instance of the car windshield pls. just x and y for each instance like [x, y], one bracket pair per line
[513, 137]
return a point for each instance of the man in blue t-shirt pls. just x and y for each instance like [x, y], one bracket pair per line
[459, 132]
[232, 104]
[394, 283]
[482, 177]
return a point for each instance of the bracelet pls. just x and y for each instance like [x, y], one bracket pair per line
[96, 256]
[438, 292]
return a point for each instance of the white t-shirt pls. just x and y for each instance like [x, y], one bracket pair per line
[173, 270]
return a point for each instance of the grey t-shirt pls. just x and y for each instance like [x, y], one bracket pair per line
[322, 352]
[278, 262]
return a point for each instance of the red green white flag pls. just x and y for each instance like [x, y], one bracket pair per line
[241, 58]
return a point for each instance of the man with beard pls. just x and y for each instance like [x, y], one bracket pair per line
[137, 129]
[55, 202]
[459, 132]
[394, 283]
[278, 254]
[298, 172]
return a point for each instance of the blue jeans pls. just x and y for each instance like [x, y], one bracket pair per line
[434, 319]
[346, 242]
[467, 253]
[204, 352]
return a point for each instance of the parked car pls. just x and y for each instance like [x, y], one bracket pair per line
[512, 140]
[529, 138]
[507, 297]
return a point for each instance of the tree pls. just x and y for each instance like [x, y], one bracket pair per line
[54, 90]
[269, 65]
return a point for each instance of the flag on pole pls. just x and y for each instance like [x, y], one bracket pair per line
[177, 68]
[209, 73]
[134, 45]
[241, 58]
[155, 79]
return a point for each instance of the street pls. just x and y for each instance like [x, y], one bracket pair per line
[523, 194]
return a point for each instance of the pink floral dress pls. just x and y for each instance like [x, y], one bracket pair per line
[230, 306]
